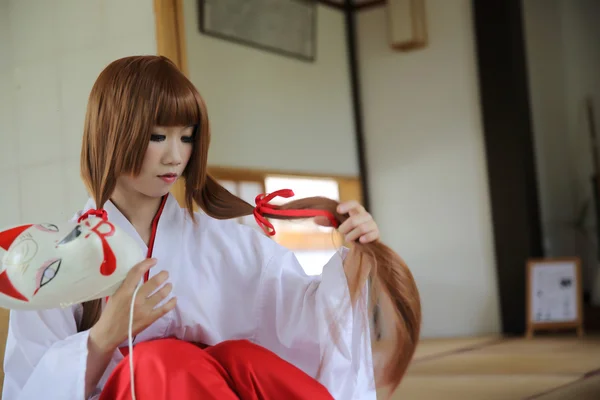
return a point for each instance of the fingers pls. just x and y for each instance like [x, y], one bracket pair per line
[351, 207]
[146, 317]
[369, 237]
[159, 296]
[354, 222]
[137, 272]
[153, 283]
[360, 225]
[362, 230]
[165, 308]
[147, 306]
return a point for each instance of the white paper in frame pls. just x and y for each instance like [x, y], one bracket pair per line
[554, 294]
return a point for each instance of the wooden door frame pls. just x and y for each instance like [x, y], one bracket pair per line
[170, 32]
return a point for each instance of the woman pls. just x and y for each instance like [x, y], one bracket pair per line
[238, 307]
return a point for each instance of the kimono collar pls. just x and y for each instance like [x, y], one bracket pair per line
[113, 214]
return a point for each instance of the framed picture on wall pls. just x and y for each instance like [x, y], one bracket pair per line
[286, 27]
[554, 295]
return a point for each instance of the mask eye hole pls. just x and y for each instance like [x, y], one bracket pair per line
[47, 273]
[50, 272]
[47, 228]
[74, 234]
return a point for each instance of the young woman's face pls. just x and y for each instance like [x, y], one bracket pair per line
[167, 155]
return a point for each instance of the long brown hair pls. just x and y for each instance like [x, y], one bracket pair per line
[133, 94]
[393, 292]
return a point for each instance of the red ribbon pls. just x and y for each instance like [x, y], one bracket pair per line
[263, 207]
[96, 213]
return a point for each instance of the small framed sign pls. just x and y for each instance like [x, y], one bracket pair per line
[554, 295]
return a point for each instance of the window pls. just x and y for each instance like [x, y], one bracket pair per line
[312, 244]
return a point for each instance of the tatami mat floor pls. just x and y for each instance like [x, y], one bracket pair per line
[490, 368]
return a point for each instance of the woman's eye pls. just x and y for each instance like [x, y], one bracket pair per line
[157, 138]
[187, 139]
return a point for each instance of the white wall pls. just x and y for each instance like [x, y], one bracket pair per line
[562, 39]
[9, 196]
[427, 167]
[268, 111]
[51, 54]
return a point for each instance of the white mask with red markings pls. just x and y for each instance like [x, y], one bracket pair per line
[46, 266]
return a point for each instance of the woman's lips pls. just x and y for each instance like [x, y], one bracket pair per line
[168, 178]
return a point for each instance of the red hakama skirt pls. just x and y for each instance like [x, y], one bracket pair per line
[232, 370]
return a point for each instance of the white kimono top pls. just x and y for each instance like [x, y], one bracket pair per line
[231, 282]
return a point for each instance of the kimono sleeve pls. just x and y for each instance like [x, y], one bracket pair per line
[310, 322]
[45, 356]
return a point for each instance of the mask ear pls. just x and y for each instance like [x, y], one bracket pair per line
[8, 236]
[7, 288]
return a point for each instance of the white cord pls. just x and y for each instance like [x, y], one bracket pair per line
[130, 339]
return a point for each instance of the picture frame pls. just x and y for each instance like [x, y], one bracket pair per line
[284, 27]
[554, 295]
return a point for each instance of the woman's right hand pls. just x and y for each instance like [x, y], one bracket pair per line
[113, 326]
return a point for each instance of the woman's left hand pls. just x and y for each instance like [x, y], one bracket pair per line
[359, 226]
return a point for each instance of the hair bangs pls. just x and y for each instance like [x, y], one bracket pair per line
[175, 100]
